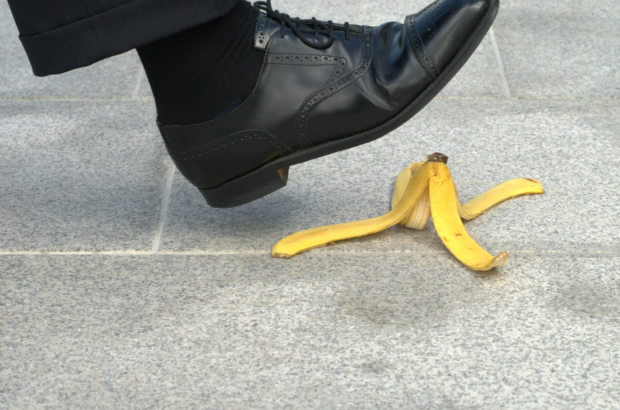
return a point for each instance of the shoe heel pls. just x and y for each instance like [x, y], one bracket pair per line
[246, 189]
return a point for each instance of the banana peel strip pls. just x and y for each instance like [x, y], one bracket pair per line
[500, 193]
[449, 225]
[402, 181]
[461, 245]
[322, 236]
[418, 216]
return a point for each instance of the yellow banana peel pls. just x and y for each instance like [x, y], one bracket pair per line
[505, 190]
[423, 189]
[418, 216]
[322, 236]
[449, 226]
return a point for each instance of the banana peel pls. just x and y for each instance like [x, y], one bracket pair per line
[422, 190]
[449, 226]
[418, 216]
[322, 236]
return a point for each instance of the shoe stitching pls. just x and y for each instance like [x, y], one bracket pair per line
[437, 11]
[336, 83]
[301, 59]
[337, 72]
[228, 141]
[420, 51]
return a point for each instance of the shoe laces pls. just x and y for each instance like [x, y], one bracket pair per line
[296, 23]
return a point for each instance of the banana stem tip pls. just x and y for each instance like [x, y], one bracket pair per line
[437, 157]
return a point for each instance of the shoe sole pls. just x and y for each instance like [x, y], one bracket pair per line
[274, 175]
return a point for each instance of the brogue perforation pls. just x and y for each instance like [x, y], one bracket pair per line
[301, 121]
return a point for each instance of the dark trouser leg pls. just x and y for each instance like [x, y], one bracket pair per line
[62, 35]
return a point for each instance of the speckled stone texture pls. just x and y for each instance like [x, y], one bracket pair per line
[249, 332]
[561, 48]
[185, 308]
[79, 175]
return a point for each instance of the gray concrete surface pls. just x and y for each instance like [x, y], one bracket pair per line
[561, 48]
[354, 331]
[79, 175]
[121, 288]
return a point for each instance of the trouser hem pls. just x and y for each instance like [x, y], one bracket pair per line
[116, 31]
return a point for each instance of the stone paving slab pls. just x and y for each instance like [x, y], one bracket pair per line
[560, 48]
[79, 175]
[323, 332]
[112, 78]
[571, 147]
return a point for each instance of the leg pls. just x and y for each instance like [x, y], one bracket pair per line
[59, 36]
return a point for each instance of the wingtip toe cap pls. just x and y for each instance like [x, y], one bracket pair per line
[445, 26]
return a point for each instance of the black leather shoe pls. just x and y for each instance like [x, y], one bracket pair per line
[324, 88]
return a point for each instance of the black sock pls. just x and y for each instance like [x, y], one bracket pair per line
[202, 73]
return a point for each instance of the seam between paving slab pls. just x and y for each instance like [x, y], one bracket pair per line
[603, 254]
[163, 210]
[500, 64]
[136, 89]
